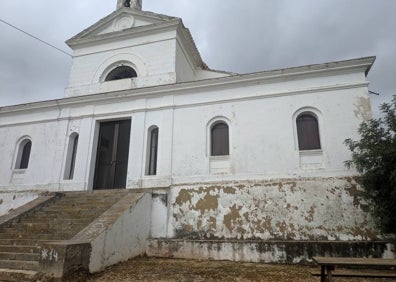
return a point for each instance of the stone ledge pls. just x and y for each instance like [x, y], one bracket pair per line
[300, 252]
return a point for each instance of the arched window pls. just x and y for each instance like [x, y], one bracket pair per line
[71, 156]
[308, 132]
[121, 72]
[219, 140]
[23, 154]
[152, 151]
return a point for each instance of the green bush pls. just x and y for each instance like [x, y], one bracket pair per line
[374, 157]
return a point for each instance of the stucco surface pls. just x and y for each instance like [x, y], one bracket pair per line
[290, 209]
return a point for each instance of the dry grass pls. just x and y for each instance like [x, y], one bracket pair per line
[157, 269]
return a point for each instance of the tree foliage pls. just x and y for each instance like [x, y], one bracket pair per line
[374, 157]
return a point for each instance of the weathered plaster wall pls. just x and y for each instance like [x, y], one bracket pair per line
[120, 234]
[267, 251]
[291, 209]
[159, 215]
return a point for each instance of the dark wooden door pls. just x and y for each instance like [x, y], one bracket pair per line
[112, 155]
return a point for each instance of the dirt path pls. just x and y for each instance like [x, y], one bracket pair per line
[156, 269]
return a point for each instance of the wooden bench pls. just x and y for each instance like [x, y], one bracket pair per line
[328, 265]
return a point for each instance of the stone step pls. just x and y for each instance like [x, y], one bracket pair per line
[16, 275]
[86, 200]
[19, 236]
[48, 223]
[66, 220]
[19, 249]
[82, 204]
[45, 237]
[60, 211]
[20, 264]
[57, 211]
[61, 218]
[19, 256]
[110, 192]
[88, 215]
[42, 229]
[21, 242]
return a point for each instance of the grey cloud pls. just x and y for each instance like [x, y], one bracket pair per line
[232, 35]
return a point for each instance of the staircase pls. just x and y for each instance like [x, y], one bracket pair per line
[60, 218]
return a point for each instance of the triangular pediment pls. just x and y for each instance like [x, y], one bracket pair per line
[122, 19]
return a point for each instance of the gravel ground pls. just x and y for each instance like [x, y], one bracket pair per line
[157, 269]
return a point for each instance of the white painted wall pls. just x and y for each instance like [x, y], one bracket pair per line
[45, 159]
[262, 132]
[184, 68]
[159, 215]
[10, 200]
[186, 71]
[124, 239]
[153, 58]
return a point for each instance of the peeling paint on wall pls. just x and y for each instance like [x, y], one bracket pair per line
[301, 209]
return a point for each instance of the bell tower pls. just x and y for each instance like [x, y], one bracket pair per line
[133, 4]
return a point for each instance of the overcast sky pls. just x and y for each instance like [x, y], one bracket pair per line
[233, 35]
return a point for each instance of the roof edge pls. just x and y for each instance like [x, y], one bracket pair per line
[113, 15]
[364, 64]
[126, 32]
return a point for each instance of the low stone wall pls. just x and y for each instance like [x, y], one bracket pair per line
[286, 209]
[62, 258]
[266, 251]
[120, 233]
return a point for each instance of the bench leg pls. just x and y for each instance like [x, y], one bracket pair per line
[329, 274]
[322, 274]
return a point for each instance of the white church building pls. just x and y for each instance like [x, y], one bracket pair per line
[231, 160]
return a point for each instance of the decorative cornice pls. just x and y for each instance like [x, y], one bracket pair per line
[251, 79]
[122, 98]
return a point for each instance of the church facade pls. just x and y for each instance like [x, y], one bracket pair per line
[226, 156]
